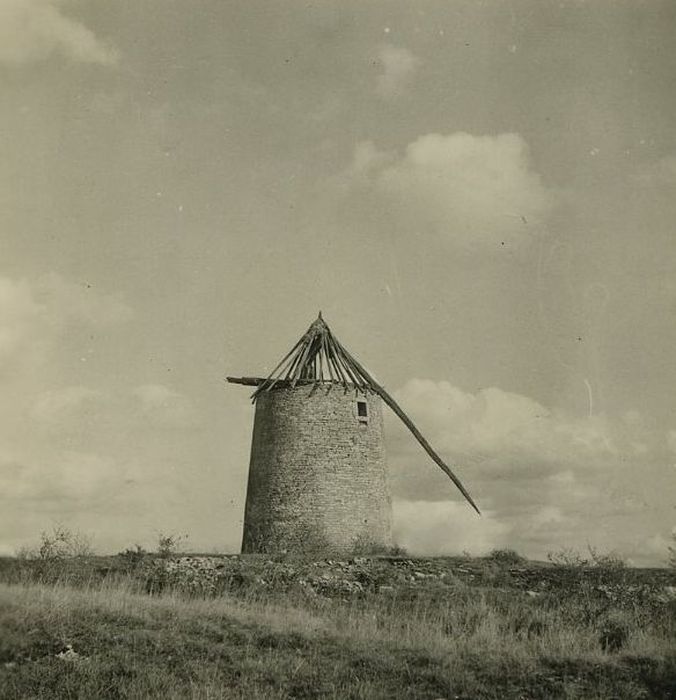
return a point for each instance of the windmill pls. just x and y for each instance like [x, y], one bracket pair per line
[318, 470]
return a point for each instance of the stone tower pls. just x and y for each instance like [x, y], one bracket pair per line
[318, 471]
[318, 474]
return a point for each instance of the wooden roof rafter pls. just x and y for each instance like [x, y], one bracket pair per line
[316, 358]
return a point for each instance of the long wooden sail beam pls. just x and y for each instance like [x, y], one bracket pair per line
[399, 412]
[318, 357]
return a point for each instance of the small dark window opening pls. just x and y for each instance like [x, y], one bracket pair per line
[362, 411]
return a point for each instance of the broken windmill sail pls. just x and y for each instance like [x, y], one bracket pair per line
[319, 358]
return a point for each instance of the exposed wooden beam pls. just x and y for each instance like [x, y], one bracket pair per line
[247, 381]
[398, 411]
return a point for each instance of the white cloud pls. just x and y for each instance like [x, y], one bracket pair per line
[478, 192]
[399, 66]
[164, 406]
[89, 452]
[32, 30]
[548, 515]
[444, 528]
[502, 430]
[116, 500]
[543, 480]
[59, 478]
[64, 403]
[54, 436]
[35, 313]
[367, 160]
[658, 545]
[154, 395]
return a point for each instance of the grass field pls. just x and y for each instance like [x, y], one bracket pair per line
[473, 631]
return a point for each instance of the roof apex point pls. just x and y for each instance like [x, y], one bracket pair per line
[319, 322]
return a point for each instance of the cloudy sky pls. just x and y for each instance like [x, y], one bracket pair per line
[480, 197]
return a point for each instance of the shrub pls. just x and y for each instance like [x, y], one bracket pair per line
[505, 557]
[613, 634]
[60, 543]
[607, 560]
[567, 557]
[396, 550]
[169, 544]
[602, 560]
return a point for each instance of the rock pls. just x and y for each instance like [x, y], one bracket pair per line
[68, 654]
[667, 594]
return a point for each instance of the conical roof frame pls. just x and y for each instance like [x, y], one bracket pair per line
[318, 357]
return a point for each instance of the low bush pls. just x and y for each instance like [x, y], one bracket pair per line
[505, 557]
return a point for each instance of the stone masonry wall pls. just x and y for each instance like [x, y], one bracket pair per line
[317, 475]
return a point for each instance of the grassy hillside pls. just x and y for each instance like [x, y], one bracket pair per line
[364, 628]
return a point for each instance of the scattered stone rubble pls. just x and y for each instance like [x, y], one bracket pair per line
[210, 575]
[199, 575]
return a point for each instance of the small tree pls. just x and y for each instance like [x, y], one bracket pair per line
[59, 543]
[606, 560]
[571, 558]
[51, 560]
[168, 544]
[567, 557]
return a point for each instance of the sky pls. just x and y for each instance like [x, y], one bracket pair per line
[479, 196]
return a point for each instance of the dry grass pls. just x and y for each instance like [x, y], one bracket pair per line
[468, 643]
